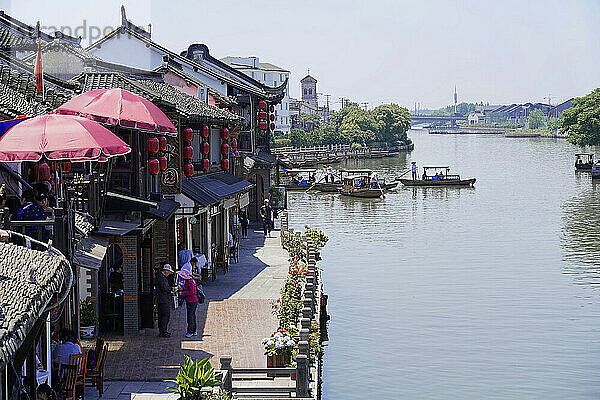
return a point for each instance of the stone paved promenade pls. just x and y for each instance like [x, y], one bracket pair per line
[233, 320]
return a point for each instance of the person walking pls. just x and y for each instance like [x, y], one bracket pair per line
[244, 223]
[266, 213]
[190, 291]
[164, 300]
[414, 171]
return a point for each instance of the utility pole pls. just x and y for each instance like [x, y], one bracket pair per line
[342, 100]
[549, 99]
[365, 105]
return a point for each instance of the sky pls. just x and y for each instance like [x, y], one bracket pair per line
[377, 51]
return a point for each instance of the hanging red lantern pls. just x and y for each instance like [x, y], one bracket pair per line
[272, 108]
[262, 115]
[152, 145]
[262, 125]
[224, 133]
[162, 161]
[188, 134]
[205, 164]
[272, 117]
[236, 153]
[66, 166]
[272, 126]
[162, 143]
[43, 172]
[205, 148]
[153, 166]
[205, 131]
[188, 152]
[188, 170]
[233, 143]
[262, 105]
[224, 149]
[224, 164]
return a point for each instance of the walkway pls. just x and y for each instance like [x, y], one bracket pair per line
[234, 319]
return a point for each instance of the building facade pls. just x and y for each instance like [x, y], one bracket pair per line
[269, 75]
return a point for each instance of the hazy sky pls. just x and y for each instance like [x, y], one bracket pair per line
[380, 50]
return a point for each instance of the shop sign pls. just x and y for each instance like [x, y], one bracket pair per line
[244, 199]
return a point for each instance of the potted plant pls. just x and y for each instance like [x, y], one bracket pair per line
[193, 376]
[278, 349]
[88, 319]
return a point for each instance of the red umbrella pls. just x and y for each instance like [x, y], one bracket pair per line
[59, 137]
[118, 107]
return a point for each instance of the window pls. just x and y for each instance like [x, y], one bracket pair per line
[264, 77]
[310, 91]
[281, 77]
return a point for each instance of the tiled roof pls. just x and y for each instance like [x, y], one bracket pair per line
[60, 45]
[10, 41]
[18, 95]
[28, 280]
[83, 223]
[188, 106]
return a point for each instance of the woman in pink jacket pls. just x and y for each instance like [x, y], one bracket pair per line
[190, 291]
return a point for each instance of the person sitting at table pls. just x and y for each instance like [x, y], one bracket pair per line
[67, 347]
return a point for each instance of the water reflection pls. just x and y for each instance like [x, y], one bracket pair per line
[581, 233]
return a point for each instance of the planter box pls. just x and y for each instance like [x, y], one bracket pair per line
[279, 361]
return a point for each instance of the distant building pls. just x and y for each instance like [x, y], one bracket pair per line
[482, 114]
[269, 75]
[556, 111]
[517, 113]
[309, 91]
[308, 104]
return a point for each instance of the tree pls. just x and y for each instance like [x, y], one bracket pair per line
[581, 122]
[536, 119]
[393, 122]
[311, 122]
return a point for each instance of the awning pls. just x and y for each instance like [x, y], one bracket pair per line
[211, 189]
[116, 228]
[90, 252]
[166, 208]
[123, 202]
[193, 189]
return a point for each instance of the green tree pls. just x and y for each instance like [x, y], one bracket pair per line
[581, 122]
[310, 121]
[392, 121]
[536, 119]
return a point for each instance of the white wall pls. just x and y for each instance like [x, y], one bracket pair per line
[127, 50]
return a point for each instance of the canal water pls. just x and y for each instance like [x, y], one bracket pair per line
[447, 293]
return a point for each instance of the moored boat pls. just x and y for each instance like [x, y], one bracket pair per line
[363, 186]
[439, 179]
[584, 161]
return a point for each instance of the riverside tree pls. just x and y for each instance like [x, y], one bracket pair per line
[581, 122]
[536, 119]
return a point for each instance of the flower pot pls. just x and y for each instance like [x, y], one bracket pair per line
[87, 332]
[278, 361]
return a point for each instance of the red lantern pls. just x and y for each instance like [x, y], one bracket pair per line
[236, 153]
[262, 115]
[188, 152]
[272, 126]
[205, 148]
[152, 145]
[43, 172]
[272, 108]
[162, 161]
[262, 105]
[262, 125]
[205, 131]
[205, 164]
[272, 117]
[153, 166]
[188, 170]
[233, 143]
[224, 149]
[66, 166]
[188, 134]
[224, 164]
[162, 143]
[224, 133]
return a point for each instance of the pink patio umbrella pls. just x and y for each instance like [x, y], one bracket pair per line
[118, 107]
[60, 137]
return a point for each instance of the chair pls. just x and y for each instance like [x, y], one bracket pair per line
[78, 361]
[234, 248]
[220, 261]
[96, 376]
[70, 382]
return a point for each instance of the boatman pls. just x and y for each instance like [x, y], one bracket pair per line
[414, 170]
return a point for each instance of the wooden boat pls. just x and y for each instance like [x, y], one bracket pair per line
[297, 181]
[439, 179]
[584, 161]
[328, 187]
[361, 186]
